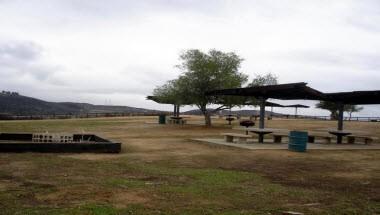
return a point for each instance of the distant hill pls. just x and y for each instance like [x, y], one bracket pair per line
[15, 104]
[238, 112]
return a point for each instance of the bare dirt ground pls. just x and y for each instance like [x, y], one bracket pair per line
[160, 164]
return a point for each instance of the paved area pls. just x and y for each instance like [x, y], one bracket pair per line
[270, 146]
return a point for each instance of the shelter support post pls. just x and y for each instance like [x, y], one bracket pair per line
[262, 112]
[175, 110]
[271, 111]
[340, 121]
[340, 117]
[262, 118]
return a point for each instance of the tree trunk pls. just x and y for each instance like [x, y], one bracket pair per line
[206, 114]
[207, 119]
[334, 115]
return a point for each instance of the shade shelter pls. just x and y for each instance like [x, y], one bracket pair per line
[292, 91]
[272, 105]
[351, 98]
[167, 101]
[267, 104]
[296, 106]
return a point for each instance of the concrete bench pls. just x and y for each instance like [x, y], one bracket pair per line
[177, 121]
[367, 140]
[277, 138]
[325, 138]
[182, 122]
[229, 137]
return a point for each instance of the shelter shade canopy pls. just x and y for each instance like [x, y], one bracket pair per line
[267, 104]
[355, 97]
[293, 91]
[164, 101]
[272, 104]
[297, 106]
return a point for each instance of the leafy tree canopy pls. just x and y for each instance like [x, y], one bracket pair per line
[352, 109]
[170, 93]
[333, 108]
[264, 80]
[261, 80]
[202, 72]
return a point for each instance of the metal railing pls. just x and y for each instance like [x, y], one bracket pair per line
[73, 116]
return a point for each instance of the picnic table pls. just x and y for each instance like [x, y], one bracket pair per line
[177, 120]
[260, 131]
[339, 134]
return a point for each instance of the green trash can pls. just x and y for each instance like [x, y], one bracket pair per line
[298, 141]
[162, 119]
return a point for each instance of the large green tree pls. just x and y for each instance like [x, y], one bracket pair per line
[202, 72]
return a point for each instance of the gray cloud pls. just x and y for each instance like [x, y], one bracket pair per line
[21, 58]
[59, 14]
[14, 52]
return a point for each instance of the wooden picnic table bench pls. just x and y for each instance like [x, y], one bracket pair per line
[179, 121]
[260, 131]
[340, 134]
[242, 138]
[325, 137]
[277, 138]
[367, 139]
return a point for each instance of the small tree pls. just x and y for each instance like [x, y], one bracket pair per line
[261, 80]
[264, 80]
[333, 108]
[352, 109]
[330, 106]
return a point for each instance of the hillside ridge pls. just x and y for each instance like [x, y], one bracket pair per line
[15, 104]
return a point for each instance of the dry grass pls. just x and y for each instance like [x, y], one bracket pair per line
[161, 171]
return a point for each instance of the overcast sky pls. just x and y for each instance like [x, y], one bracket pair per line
[117, 51]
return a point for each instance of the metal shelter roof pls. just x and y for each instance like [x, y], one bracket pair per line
[292, 91]
[267, 104]
[272, 104]
[355, 97]
[163, 101]
[297, 106]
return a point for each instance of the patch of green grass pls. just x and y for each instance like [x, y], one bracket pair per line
[208, 191]
[179, 190]
[89, 209]
[94, 209]
[86, 209]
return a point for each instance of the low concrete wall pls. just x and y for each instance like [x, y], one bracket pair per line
[22, 142]
[61, 147]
